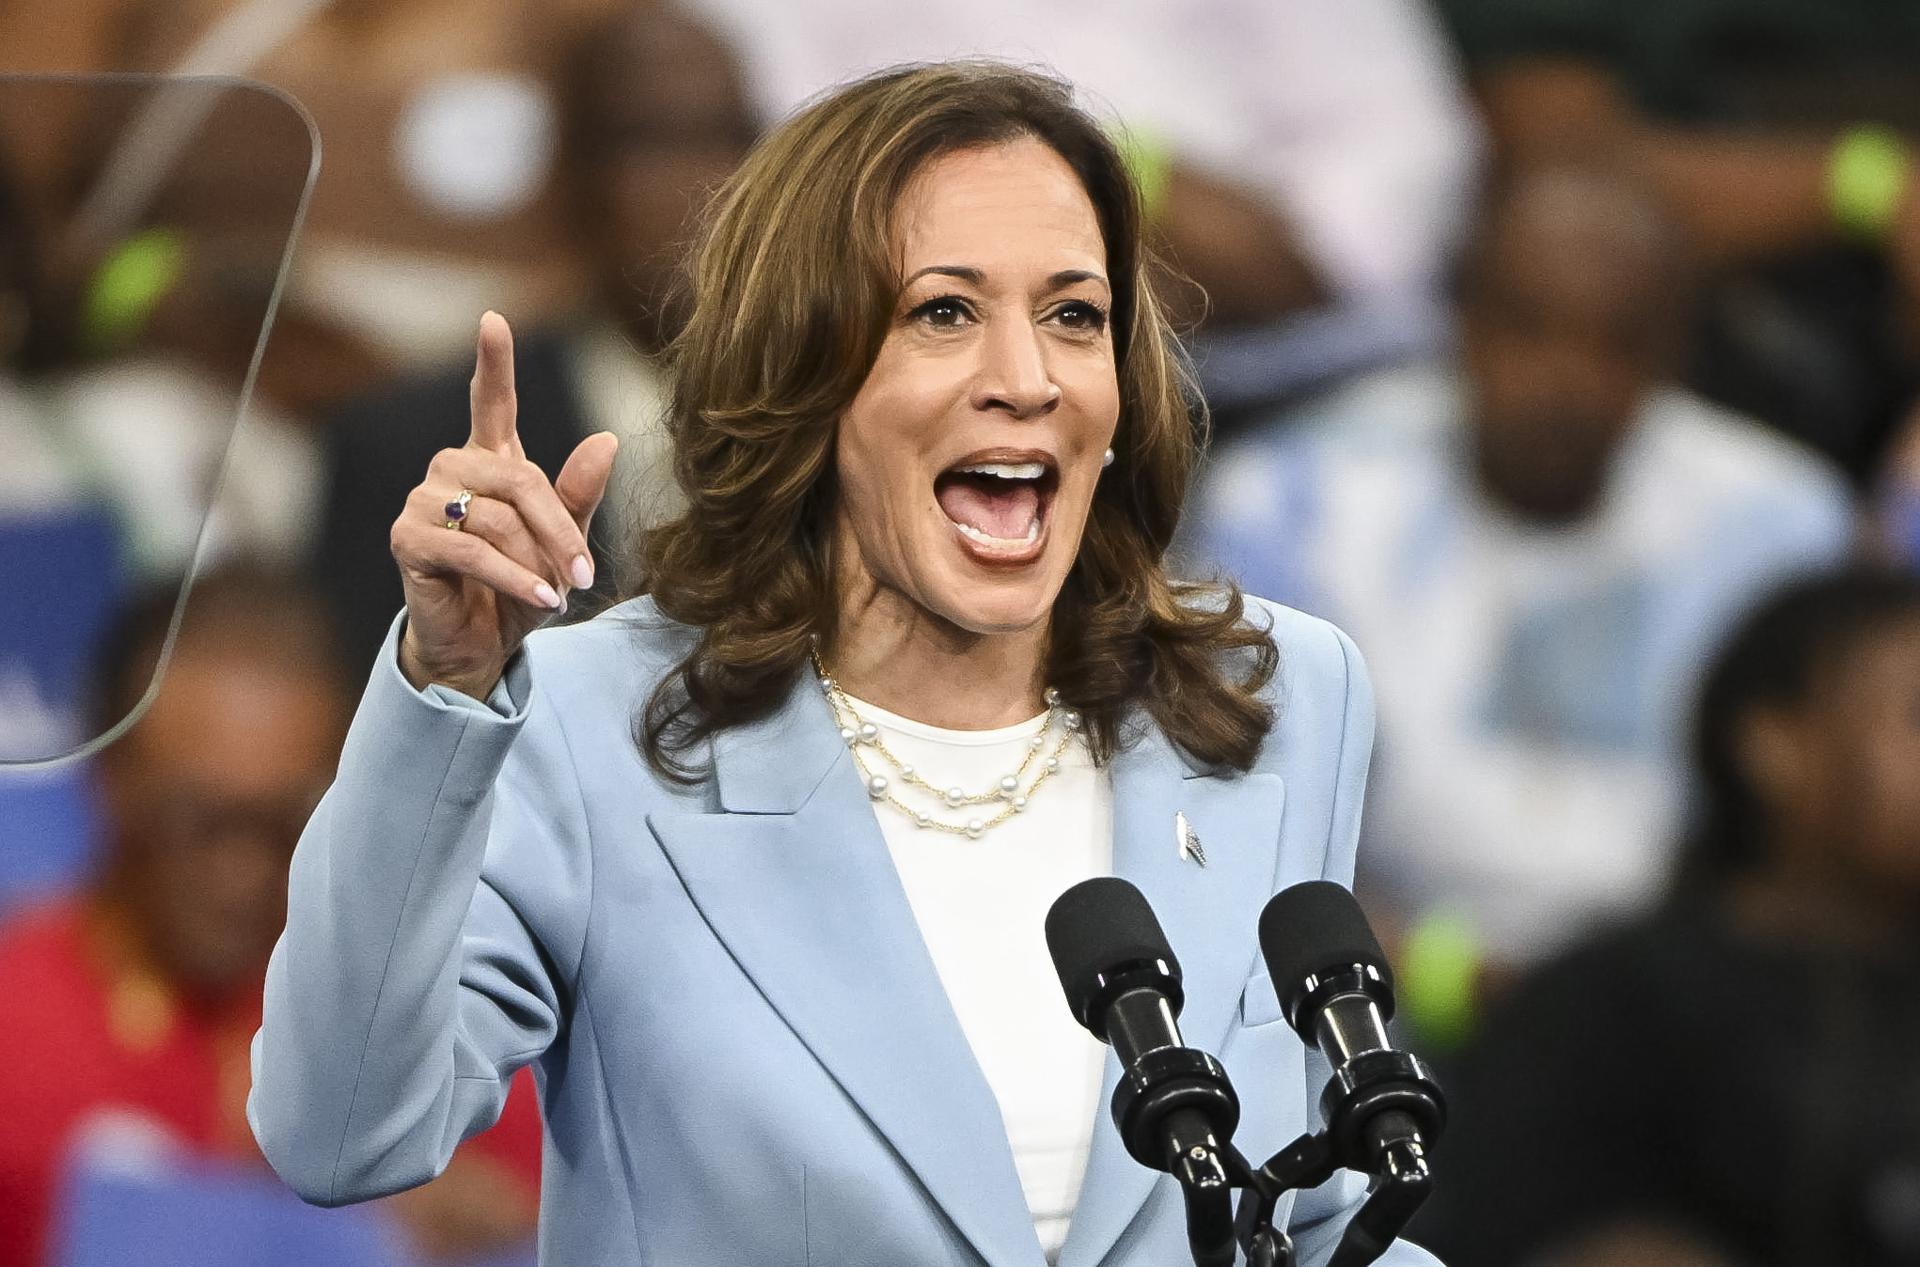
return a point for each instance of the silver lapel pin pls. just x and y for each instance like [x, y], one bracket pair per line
[1187, 841]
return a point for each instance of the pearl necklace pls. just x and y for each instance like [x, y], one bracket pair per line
[863, 737]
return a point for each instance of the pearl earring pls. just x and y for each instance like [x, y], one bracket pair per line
[1107, 458]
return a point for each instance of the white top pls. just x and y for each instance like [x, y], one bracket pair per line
[982, 905]
[1534, 682]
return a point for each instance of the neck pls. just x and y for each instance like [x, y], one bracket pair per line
[896, 655]
[118, 924]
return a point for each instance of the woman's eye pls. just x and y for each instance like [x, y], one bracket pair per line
[1080, 315]
[945, 312]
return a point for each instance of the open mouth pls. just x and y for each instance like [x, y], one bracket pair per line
[999, 504]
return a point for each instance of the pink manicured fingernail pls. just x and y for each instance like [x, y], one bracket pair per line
[544, 592]
[582, 571]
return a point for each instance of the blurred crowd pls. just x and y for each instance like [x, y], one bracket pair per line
[1565, 352]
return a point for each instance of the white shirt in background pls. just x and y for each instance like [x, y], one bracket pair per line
[1534, 682]
[1351, 116]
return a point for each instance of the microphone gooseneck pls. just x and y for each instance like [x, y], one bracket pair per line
[1382, 1107]
[1174, 1107]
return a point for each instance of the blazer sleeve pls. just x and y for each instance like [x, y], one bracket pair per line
[436, 914]
[1337, 673]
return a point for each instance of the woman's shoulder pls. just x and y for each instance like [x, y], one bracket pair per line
[583, 687]
[1297, 632]
[1320, 686]
[616, 657]
[1313, 653]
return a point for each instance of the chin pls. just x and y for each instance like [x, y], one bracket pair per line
[998, 606]
[1001, 617]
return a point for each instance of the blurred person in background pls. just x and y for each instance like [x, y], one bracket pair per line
[655, 116]
[143, 427]
[69, 38]
[1737, 1066]
[161, 203]
[440, 182]
[1294, 158]
[109, 466]
[132, 353]
[1782, 135]
[1535, 544]
[130, 1003]
[441, 189]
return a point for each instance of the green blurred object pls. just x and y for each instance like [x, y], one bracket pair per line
[1867, 178]
[1438, 975]
[129, 284]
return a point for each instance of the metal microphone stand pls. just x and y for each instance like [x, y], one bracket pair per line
[1380, 1106]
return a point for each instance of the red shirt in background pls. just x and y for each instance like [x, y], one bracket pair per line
[90, 1032]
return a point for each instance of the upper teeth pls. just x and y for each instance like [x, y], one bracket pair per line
[1007, 470]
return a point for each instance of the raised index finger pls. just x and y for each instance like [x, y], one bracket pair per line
[491, 396]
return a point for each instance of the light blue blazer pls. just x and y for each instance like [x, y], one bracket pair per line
[743, 1051]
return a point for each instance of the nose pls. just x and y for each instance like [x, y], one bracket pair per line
[1014, 376]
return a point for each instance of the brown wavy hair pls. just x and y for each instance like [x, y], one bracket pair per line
[793, 280]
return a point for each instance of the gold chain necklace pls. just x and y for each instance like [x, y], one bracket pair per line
[863, 737]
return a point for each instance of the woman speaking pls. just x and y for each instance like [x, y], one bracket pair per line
[752, 868]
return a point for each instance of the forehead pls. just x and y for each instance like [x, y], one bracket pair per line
[1009, 208]
[1565, 247]
[239, 718]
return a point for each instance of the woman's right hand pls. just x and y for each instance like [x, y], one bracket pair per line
[474, 593]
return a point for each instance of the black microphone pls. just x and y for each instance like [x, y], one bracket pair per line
[1382, 1107]
[1174, 1107]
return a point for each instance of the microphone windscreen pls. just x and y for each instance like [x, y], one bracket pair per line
[1313, 928]
[1099, 925]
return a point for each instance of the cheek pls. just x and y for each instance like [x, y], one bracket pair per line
[1106, 411]
[872, 461]
[1090, 390]
[878, 496]
[894, 422]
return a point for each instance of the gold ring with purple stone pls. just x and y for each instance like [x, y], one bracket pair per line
[457, 510]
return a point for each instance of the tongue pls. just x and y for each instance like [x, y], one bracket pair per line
[1003, 509]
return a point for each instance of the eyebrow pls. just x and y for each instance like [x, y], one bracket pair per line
[968, 273]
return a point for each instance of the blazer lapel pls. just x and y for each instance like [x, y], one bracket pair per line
[796, 880]
[1210, 913]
